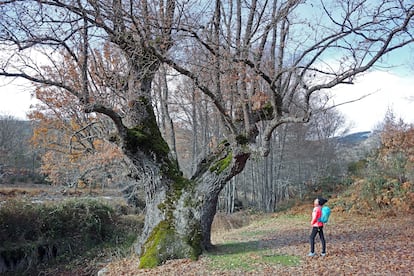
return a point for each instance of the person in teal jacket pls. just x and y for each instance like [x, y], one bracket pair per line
[317, 226]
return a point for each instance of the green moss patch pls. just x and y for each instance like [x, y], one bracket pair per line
[164, 244]
[222, 164]
[148, 139]
[150, 258]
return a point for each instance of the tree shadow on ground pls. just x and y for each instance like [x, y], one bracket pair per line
[235, 248]
[266, 242]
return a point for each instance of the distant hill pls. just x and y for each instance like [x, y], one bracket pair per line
[354, 138]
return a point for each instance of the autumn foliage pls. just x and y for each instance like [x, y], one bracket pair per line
[397, 148]
[387, 182]
[75, 151]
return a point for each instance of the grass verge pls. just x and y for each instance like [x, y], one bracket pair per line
[249, 260]
[245, 250]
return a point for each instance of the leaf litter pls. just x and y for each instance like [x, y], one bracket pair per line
[356, 245]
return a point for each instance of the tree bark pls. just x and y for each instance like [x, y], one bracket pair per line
[179, 211]
[212, 176]
[171, 228]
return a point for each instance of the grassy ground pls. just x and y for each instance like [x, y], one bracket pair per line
[277, 244]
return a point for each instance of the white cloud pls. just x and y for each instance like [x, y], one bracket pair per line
[15, 98]
[385, 90]
[15, 94]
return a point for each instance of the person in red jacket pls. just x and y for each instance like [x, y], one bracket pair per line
[317, 226]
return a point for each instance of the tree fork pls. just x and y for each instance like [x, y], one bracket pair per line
[180, 211]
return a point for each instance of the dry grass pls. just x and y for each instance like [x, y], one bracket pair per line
[17, 191]
[223, 222]
[37, 191]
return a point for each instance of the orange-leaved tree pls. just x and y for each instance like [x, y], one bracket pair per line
[397, 147]
[71, 141]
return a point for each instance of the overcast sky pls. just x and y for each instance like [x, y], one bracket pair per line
[384, 90]
[15, 98]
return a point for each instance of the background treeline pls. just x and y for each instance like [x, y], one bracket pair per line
[19, 161]
[305, 160]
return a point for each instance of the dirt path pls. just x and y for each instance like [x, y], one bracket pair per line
[355, 246]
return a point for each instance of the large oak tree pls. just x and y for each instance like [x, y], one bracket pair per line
[256, 61]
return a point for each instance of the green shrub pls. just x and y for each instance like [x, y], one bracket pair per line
[357, 168]
[19, 221]
[373, 187]
[87, 220]
[63, 231]
[71, 225]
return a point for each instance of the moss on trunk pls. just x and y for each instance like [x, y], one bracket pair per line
[165, 244]
[178, 235]
[173, 232]
[148, 139]
[220, 165]
[179, 210]
[156, 243]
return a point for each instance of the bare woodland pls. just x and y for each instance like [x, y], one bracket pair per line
[15, 150]
[124, 76]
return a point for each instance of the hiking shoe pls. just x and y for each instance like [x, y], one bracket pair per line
[323, 254]
[311, 254]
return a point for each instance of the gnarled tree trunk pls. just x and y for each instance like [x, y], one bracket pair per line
[179, 211]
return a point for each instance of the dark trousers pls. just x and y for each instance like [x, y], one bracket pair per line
[316, 230]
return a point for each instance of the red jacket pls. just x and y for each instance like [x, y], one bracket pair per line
[316, 214]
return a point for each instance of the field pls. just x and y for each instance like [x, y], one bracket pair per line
[377, 243]
[277, 244]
